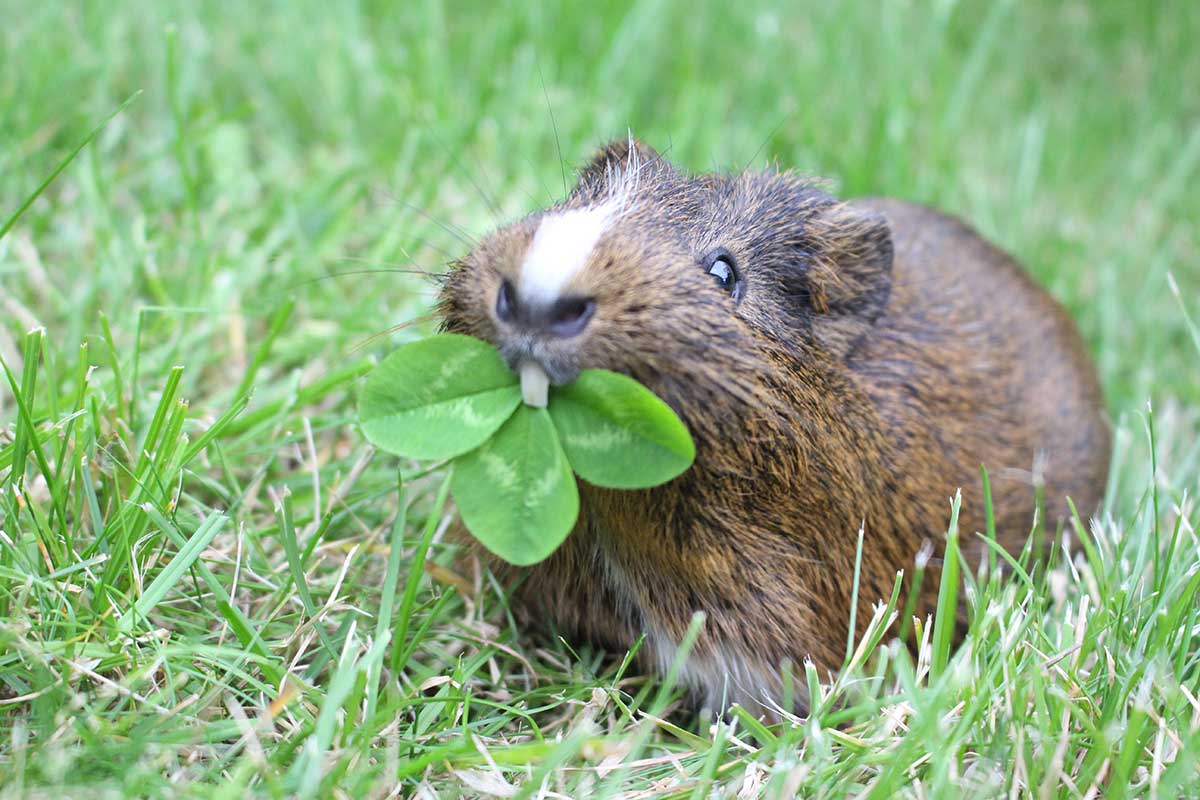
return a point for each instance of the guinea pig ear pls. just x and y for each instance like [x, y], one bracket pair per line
[620, 156]
[849, 278]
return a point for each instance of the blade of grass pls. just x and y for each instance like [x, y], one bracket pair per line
[989, 516]
[172, 573]
[278, 321]
[12, 220]
[387, 595]
[291, 549]
[305, 395]
[306, 771]
[947, 601]
[415, 571]
[243, 629]
[853, 627]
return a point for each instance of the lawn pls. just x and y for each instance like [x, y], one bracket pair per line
[210, 585]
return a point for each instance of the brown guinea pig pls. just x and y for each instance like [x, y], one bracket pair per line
[838, 364]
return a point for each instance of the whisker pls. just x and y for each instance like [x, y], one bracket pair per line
[351, 272]
[438, 277]
[372, 339]
[453, 230]
[549, 194]
[397, 266]
[441, 251]
[488, 200]
[783, 121]
[562, 167]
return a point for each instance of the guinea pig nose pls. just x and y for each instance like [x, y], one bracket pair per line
[506, 302]
[570, 315]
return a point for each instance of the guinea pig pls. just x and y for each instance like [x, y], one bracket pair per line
[840, 365]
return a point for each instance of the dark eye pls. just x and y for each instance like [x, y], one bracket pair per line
[721, 266]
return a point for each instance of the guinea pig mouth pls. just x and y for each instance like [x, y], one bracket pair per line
[560, 364]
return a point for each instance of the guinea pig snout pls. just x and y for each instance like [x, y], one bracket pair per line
[560, 318]
[543, 332]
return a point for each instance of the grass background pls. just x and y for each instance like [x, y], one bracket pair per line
[207, 595]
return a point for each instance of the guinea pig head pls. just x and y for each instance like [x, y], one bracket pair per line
[694, 285]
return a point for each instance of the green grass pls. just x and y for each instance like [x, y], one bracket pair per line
[211, 586]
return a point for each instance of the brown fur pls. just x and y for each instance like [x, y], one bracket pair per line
[881, 353]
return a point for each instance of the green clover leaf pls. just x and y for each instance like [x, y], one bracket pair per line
[516, 492]
[438, 397]
[452, 396]
[617, 433]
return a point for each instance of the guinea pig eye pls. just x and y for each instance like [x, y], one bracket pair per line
[506, 302]
[722, 272]
[722, 267]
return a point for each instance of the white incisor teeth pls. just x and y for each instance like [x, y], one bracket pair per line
[535, 384]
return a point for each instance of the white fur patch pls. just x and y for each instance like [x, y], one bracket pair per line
[719, 679]
[561, 248]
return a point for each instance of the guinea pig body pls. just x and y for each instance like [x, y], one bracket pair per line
[840, 366]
